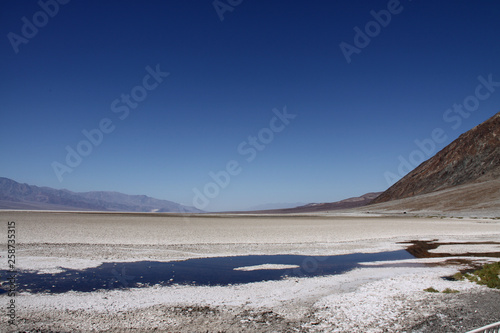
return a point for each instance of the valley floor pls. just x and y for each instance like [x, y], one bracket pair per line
[376, 297]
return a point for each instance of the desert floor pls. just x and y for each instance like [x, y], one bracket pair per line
[372, 298]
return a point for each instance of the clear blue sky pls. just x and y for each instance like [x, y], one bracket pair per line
[353, 120]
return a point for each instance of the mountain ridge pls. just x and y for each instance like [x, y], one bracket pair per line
[353, 202]
[14, 195]
[473, 157]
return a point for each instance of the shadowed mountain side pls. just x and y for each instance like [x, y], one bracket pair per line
[14, 195]
[479, 199]
[322, 207]
[472, 157]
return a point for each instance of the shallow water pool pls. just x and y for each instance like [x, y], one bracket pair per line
[201, 271]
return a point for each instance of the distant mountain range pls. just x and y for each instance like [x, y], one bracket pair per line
[321, 207]
[14, 195]
[270, 206]
[463, 176]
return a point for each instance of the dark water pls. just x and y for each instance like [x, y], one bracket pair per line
[201, 272]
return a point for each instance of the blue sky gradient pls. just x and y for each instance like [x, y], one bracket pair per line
[354, 121]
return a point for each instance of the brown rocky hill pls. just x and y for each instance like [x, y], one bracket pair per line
[472, 158]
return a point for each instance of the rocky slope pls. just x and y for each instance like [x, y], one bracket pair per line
[472, 158]
[477, 199]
